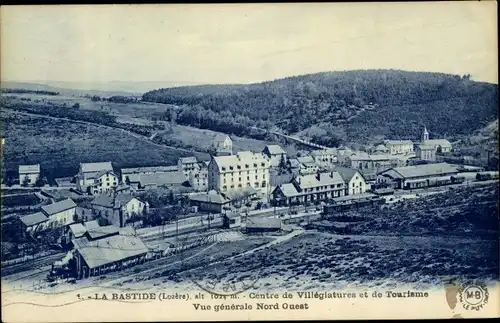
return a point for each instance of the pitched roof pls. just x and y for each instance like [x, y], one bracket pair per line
[306, 160]
[381, 148]
[99, 232]
[210, 197]
[77, 229]
[104, 200]
[347, 173]
[264, 223]
[33, 219]
[398, 142]
[294, 162]
[221, 137]
[153, 169]
[29, 169]
[58, 207]
[307, 181]
[327, 151]
[96, 167]
[438, 142]
[107, 250]
[109, 201]
[159, 179]
[289, 190]
[426, 147]
[374, 157]
[241, 159]
[170, 178]
[275, 149]
[424, 170]
[188, 160]
[232, 215]
[89, 225]
[104, 172]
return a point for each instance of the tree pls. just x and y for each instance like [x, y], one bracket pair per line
[26, 181]
[76, 105]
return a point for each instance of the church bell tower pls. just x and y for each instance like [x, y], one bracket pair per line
[425, 135]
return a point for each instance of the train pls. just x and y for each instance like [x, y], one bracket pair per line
[435, 182]
[353, 205]
[486, 176]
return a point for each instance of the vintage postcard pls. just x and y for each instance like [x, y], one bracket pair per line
[249, 162]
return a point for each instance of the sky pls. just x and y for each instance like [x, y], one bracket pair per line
[244, 43]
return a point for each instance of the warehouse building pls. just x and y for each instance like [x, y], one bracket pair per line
[419, 176]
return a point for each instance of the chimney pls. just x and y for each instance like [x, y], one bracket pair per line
[318, 175]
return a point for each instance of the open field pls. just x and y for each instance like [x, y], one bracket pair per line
[59, 145]
[323, 260]
[202, 139]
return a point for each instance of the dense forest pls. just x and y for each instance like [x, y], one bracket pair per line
[25, 91]
[336, 107]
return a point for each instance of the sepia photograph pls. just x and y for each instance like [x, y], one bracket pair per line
[179, 162]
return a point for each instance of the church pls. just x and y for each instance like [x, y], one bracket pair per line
[428, 148]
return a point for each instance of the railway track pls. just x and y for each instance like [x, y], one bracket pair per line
[31, 264]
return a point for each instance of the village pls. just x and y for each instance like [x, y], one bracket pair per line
[107, 223]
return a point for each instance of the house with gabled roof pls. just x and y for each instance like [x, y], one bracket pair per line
[33, 223]
[211, 201]
[105, 181]
[310, 188]
[118, 209]
[417, 176]
[60, 214]
[89, 172]
[29, 174]
[355, 181]
[223, 145]
[275, 154]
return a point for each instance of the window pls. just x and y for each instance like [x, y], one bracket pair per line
[263, 184]
[224, 180]
[248, 184]
[264, 176]
[339, 185]
[263, 164]
[230, 167]
[256, 184]
[332, 186]
[239, 167]
[246, 166]
[223, 169]
[239, 179]
[256, 177]
[352, 184]
[255, 165]
[232, 186]
[224, 187]
[248, 178]
[239, 185]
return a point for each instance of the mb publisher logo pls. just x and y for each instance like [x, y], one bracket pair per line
[474, 296]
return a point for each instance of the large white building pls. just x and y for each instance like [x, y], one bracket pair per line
[236, 172]
[399, 147]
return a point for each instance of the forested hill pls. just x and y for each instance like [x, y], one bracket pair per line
[333, 107]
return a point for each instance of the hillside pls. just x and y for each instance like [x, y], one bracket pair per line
[64, 88]
[338, 107]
